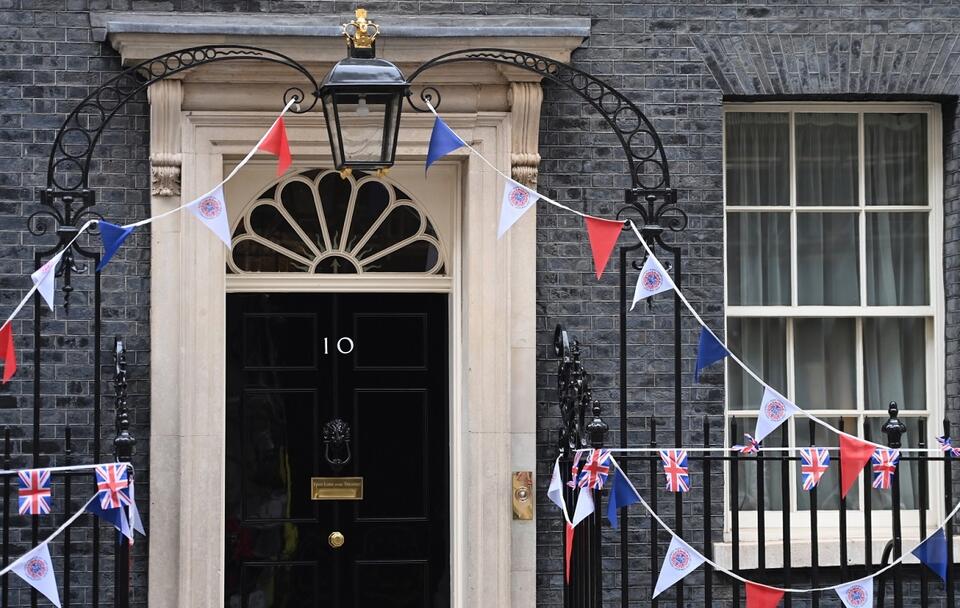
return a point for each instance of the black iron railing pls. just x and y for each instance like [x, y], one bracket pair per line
[599, 551]
[84, 572]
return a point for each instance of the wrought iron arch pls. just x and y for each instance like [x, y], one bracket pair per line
[631, 126]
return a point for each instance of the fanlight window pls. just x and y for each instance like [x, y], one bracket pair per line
[318, 222]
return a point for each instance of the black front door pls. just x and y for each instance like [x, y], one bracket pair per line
[297, 364]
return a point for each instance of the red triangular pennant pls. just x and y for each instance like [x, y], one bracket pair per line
[854, 455]
[761, 596]
[568, 549]
[276, 143]
[603, 236]
[8, 352]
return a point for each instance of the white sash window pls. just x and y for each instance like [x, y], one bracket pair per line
[834, 281]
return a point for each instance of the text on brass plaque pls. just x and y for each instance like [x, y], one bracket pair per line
[336, 488]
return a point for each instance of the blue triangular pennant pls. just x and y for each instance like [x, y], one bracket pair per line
[443, 141]
[112, 236]
[622, 494]
[117, 517]
[933, 553]
[709, 352]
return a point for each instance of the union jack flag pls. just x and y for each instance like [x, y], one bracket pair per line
[813, 464]
[34, 492]
[594, 472]
[751, 445]
[676, 470]
[947, 446]
[112, 485]
[574, 470]
[884, 466]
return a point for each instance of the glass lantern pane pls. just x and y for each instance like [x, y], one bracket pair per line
[362, 125]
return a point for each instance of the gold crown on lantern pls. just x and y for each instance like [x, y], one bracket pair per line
[360, 33]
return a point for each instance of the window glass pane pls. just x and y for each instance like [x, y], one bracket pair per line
[897, 259]
[758, 259]
[757, 157]
[908, 471]
[827, 254]
[896, 158]
[827, 159]
[825, 360]
[894, 363]
[748, 482]
[762, 344]
[828, 489]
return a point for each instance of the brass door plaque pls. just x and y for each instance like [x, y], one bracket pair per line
[336, 488]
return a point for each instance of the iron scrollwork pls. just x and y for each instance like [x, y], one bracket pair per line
[640, 141]
[575, 398]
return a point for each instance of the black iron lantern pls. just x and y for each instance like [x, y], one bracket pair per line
[360, 92]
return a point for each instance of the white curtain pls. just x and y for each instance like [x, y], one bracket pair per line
[757, 158]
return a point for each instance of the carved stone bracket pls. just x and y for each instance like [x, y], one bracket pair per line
[525, 99]
[165, 98]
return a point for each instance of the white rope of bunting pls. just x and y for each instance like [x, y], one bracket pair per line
[143, 222]
[55, 534]
[736, 576]
[72, 467]
[697, 450]
[689, 307]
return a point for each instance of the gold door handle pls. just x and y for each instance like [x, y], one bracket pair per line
[335, 540]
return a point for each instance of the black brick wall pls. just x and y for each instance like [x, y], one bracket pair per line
[676, 59]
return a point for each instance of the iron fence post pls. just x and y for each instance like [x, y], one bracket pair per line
[123, 445]
[894, 429]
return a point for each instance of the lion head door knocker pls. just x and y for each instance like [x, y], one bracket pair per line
[336, 441]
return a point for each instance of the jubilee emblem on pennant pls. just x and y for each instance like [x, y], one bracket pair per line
[680, 560]
[33, 493]
[814, 462]
[884, 462]
[775, 409]
[676, 470]
[211, 209]
[36, 569]
[858, 594]
[653, 280]
[517, 200]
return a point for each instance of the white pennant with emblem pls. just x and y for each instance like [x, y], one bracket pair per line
[858, 594]
[517, 200]
[211, 209]
[679, 561]
[36, 568]
[775, 409]
[653, 280]
[45, 279]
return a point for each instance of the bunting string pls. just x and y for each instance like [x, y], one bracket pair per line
[742, 579]
[55, 534]
[458, 141]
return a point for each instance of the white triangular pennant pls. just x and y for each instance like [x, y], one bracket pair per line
[45, 279]
[653, 280]
[211, 209]
[36, 568]
[135, 522]
[775, 409]
[555, 491]
[584, 506]
[679, 561]
[517, 200]
[858, 594]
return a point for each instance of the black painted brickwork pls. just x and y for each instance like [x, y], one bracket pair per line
[676, 59]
